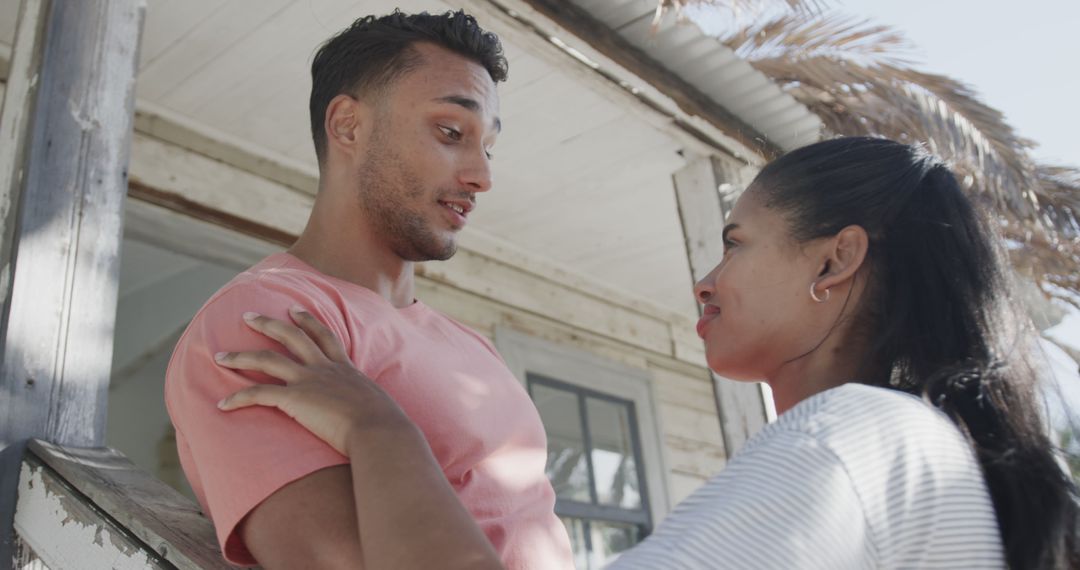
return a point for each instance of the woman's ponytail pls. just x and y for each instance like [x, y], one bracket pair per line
[942, 321]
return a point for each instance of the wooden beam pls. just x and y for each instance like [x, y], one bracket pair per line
[690, 99]
[58, 528]
[187, 182]
[518, 23]
[57, 340]
[21, 82]
[701, 208]
[194, 209]
[272, 203]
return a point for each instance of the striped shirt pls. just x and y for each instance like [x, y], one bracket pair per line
[853, 477]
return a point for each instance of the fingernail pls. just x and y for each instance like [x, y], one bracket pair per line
[221, 404]
[296, 309]
[250, 316]
[220, 356]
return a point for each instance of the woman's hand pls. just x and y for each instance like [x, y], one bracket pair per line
[323, 392]
[407, 514]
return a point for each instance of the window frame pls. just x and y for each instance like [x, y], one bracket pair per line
[525, 354]
[594, 510]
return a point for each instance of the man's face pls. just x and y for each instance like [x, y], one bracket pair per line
[429, 154]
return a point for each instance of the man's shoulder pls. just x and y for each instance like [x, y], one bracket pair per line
[269, 288]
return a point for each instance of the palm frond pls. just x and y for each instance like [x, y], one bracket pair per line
[736, 8]
[751, 6]
[1059, 198]
[858, 78]
[812, 35]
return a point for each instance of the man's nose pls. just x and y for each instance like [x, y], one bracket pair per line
[476, 175]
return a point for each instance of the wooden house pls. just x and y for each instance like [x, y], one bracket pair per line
[153, 149]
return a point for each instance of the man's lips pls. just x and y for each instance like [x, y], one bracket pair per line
[458, 209]
[461, 206]
[708, 313]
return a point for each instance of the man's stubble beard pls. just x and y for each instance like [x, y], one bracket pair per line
[390, 196]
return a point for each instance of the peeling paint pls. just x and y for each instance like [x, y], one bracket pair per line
[63, 532]
[85, 120]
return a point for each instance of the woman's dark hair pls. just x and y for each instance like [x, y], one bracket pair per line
[373, 52]
[939, 320]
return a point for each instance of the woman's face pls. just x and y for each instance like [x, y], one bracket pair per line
[758, 313]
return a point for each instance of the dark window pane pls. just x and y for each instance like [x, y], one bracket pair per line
[609, 539]
[576, 529]
[614, 464]
[566, 465]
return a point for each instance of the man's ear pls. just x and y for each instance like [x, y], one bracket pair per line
[845, 254]
[345, 117]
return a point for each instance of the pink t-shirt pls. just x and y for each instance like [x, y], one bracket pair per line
[478, 419]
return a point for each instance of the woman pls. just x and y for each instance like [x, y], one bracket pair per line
[863, 286]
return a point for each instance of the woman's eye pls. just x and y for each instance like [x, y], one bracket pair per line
[451, 133]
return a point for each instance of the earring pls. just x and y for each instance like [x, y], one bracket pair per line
[816, 298]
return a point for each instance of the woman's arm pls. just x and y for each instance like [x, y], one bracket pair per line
[407, 514]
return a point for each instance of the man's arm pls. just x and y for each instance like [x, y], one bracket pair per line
[408, 516]
[239, 463]
[309, 523]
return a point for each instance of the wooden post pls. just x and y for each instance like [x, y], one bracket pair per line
[56, 337]
[702, 209]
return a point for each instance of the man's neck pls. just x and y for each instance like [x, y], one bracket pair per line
[362, 262]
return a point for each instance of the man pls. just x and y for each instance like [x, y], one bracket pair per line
[404, 113]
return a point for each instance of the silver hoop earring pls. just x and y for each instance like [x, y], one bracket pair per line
[816, 298]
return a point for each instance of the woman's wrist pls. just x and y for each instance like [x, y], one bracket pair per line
[366, 437]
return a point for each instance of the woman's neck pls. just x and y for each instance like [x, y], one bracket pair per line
[832, 364]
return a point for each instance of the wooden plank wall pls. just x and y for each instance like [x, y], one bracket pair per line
[586, 316]
[484, 286]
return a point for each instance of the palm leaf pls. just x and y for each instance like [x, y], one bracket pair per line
[751, 6]
[858, 78]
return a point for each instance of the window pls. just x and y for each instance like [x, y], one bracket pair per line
[594, 463]
[603, 445]
[170, 265]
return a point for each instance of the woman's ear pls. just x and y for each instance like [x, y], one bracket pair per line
[844, 256]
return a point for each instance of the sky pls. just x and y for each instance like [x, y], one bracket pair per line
[1021, 57]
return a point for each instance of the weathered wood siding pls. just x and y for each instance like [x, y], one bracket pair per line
[486, 285]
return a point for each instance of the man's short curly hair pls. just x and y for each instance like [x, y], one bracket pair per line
[375, 51]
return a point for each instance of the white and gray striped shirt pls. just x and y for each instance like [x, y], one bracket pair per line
[854, 477]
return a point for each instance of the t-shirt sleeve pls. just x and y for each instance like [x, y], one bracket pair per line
[787, 503]
[235, 460]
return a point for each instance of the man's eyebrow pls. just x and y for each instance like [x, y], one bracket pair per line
[727, 229]
[470, 104]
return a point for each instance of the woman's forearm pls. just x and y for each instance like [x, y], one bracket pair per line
[408, 515]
